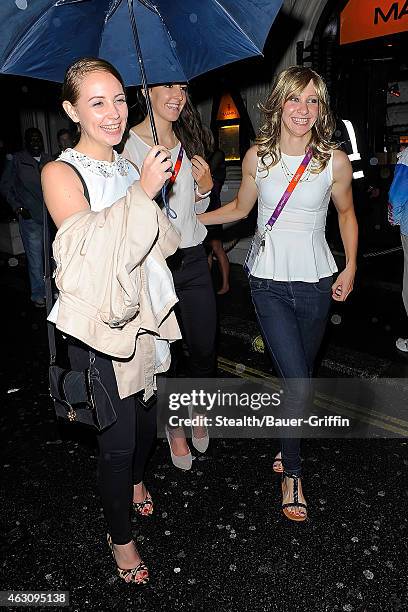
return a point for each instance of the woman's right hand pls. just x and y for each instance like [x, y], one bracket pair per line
[156, 170]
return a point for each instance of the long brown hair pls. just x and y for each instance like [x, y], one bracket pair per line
[188, 128]
[291, 81]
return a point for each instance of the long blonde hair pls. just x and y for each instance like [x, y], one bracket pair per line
[291, 81]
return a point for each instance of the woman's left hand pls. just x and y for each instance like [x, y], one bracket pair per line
[343, 285]
[201, 174]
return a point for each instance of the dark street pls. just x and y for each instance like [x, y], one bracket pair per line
[217, 538]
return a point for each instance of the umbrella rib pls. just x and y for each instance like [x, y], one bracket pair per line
[237, 25]
[13, 47]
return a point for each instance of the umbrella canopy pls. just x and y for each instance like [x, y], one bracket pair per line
[180, 39]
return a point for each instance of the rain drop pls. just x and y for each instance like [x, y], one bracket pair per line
[173, 44]
[193, 18]
[240, 368]
[24, 89]
[56, 22]
[336, 319]
[21, 4]
[369, 575]
[373, 161]
[13, 262]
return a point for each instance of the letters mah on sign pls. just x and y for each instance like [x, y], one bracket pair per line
[363, 19]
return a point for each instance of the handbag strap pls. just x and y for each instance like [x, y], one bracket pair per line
[166, 189]
[290, 189]
[47, 267]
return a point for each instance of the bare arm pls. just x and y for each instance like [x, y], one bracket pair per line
[246, 198]
[343, 200]
[63, 192]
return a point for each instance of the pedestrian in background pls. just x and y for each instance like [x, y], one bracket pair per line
[216, 161]
[21, 187]
[179, 128]
[291, 272]
[398, 215]
[64, 140]
[85, 193]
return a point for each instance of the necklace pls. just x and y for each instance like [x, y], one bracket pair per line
[289, 175]
[103, 168]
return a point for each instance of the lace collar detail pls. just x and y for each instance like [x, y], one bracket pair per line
[119, 165]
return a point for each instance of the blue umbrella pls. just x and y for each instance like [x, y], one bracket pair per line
[149, 42]
[181, 38]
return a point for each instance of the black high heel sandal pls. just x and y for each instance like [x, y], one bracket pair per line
[296, 502]
[138, 575]
[145, 507]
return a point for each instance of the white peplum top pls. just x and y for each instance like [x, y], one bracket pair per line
[295, 248]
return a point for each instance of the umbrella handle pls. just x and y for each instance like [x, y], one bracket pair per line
[142, 70]
[169, 211]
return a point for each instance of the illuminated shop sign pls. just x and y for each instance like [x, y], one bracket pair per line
[227, 109]
[364, 19]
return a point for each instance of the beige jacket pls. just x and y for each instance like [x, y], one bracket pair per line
[116, 291]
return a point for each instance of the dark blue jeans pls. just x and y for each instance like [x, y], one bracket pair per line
[292, 317]
[33, 241]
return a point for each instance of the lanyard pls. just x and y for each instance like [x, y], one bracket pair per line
[289, 190]
[169, 185]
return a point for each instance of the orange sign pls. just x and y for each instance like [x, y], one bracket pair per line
[227, 109]
[363, 19]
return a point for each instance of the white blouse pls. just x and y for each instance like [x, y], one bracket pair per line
[295, 248]
[107, 182]
[182, 194]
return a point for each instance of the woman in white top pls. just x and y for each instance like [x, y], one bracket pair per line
[292, 274]
[179, 128]
[94, 98]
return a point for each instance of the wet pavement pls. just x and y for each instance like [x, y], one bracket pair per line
[217, 539]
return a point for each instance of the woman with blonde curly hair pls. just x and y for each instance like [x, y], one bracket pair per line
[293, 170]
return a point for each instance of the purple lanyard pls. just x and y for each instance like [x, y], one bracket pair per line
[289, 190]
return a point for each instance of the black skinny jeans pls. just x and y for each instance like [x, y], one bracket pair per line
[124, 447]
[195, 311]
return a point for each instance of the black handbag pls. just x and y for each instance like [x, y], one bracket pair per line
[79, 397]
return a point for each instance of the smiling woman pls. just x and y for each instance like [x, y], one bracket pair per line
[98, 199]
[292, 171]
[179, 128]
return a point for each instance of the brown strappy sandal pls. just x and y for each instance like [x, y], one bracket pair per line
[277, 465]
[296, 502]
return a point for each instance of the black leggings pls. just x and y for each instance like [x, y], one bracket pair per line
[123, 448]
[196, 313]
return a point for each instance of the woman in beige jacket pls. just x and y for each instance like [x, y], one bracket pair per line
[108, 249]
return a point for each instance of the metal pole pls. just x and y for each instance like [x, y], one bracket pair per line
[142, 70]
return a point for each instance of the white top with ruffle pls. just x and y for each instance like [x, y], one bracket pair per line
[107, 182]
[295, 248]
